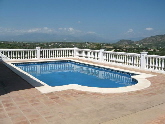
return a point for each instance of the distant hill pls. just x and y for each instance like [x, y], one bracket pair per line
[153, 41]
[45, 37]
[124, 42]
[157, 41]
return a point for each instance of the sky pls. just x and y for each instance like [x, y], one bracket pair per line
[110, 19]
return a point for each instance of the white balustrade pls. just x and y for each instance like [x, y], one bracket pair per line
[142, 61]
[15, 54]
[155, 62]
[56, 53]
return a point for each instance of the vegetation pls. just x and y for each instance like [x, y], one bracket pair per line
[154, 45]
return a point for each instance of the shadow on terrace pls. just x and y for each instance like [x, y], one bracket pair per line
[9, 81]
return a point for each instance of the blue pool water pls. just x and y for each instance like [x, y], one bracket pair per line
[66, 72]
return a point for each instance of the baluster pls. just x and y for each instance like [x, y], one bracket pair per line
[57, 53]
[109, 57]
[16, 55]
[163, 64]
[13, 54]
[159, 64]
[21, 54]
[60, 53]
[49, 56]
[136, 61]
[30, 54]
[151, 61]
[112, 57]
[64, 53]
[48, 53]
[67, 53]
[132, 62]
[147, 61]
[53, 52]
[70, 53]
[26, 54]
[8, 54]
[95, 56]
[44, 54]
[156, 66]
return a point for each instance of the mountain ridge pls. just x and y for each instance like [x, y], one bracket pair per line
[152, 41]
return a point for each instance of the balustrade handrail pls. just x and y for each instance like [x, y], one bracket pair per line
[133, 60]
[58, 49]
[16, 49]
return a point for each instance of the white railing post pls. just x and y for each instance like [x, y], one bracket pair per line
[101, 57]
[75, 52]
[38, 52]
[143, 60]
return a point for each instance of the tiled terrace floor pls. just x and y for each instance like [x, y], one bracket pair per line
[20, 103]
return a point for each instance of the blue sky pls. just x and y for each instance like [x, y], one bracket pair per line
[111, 19]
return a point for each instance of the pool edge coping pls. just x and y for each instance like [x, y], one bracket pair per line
[44, 88]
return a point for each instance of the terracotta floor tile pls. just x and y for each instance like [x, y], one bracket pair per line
[52, 118]
[38, 121]
[31, 101]
[14, 113]
[1, 106]
[18, 119]
[32, 115]
[5, 121]
[23, 122]
[38, 105]
[11, 104]
[46, 112]
[18, 99]
[11, 108]
[2, 110]
[21, 103]
[25, 106]
[59, 121]
[3, 116]
[29, 110]
[9, 100]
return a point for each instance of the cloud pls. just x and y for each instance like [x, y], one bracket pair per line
[69, 30]
[11, 31]
[149, 29]
[59, 31]
[33, 30]
[79, 22]
[91, 32]
[40, 30]
[130, 31]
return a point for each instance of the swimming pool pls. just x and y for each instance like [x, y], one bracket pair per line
[59, 73]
